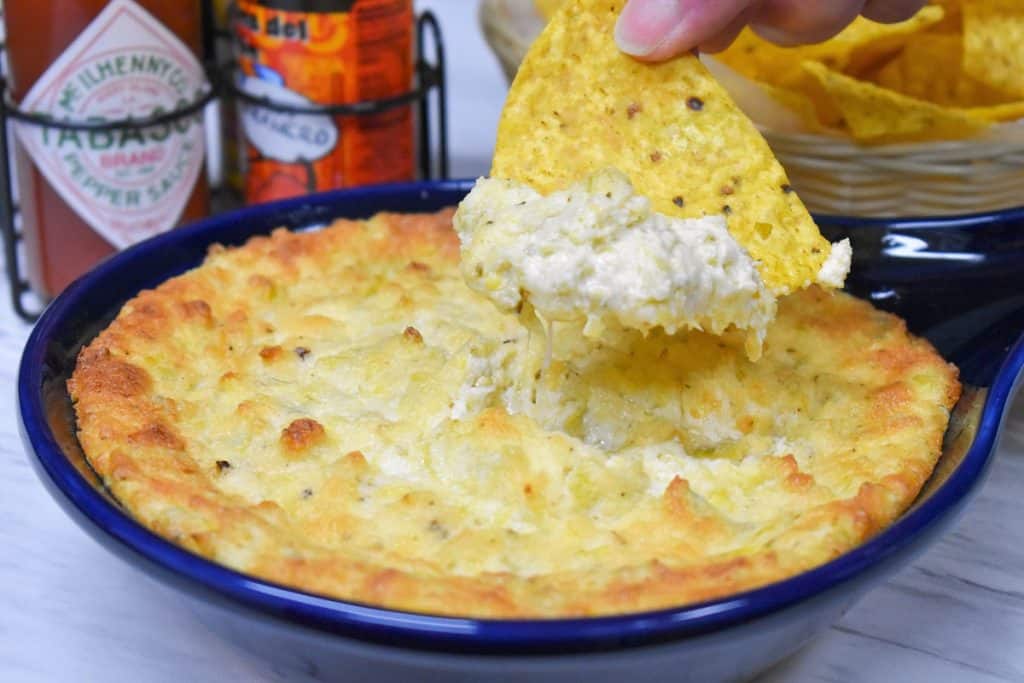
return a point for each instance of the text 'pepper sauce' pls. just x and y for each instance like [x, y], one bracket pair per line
[84, 194]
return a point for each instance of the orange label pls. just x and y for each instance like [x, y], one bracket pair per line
[303, 58]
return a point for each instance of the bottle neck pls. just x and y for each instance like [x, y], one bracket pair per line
[52, 25]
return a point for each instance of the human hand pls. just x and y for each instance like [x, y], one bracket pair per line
[655, 30]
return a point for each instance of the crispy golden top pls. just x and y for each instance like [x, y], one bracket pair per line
[337, 411]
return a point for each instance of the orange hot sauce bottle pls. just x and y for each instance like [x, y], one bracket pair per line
[84, 196]
[305, 53]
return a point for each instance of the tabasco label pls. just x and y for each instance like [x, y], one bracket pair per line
[127, 184]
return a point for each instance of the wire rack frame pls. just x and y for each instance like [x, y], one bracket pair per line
[429, 93]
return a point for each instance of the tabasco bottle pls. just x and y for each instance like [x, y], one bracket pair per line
[83, 194]
[304, 53]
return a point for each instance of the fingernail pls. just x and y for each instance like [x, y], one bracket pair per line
[645, 24]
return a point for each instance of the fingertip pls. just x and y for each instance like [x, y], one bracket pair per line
[677, 42]
[728, 35]
[892, 11]
[657, 30]
[796, 22]
[645, 25]
[719, 43]
[775, 35]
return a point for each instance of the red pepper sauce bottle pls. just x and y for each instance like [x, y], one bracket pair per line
[84, 195]
[305, 53]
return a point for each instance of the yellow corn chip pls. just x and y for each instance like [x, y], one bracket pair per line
[891, 76]
[950, 6]
[860, 47]
[954, 19]
[862, 44]
[875, 115]
[994, 43]
[930, 68]
[809, 88]
[809, 102]
[1000, 113]
[814, 111]
[547, 8]
[578, 105]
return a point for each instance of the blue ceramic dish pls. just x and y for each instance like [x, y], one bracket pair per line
[958, 281]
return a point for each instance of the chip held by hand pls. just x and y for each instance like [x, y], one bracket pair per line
[578, 105]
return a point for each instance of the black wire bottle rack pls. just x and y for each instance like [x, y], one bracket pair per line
[429, 94]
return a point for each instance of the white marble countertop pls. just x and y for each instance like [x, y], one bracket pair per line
[69, 611]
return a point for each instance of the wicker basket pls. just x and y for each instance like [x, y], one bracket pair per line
[510, 26]
[835, 176]
[832, 174]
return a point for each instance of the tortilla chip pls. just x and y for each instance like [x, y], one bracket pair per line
[862, 44]
[773, 108]
[953, 20]
[578, 105]
[930, 68]
[861, 47]
[1000, 113]
[828, 114]
[547, 8]
[875, 115]
[891, 76]
[994, 44]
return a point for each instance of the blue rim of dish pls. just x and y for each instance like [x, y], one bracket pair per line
[462, 635]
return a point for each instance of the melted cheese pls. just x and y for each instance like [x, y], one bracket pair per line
[339, 410]
[598, 253]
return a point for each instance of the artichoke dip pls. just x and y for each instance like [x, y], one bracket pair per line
[598, 254]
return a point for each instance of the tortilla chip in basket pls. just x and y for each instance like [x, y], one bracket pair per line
[875, 115]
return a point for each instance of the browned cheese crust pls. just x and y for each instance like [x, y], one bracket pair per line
[336, 411]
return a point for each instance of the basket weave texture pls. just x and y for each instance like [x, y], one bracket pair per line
[834, 175]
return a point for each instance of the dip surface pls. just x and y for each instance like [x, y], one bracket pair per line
[338, 411]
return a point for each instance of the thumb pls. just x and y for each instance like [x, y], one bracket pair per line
[655, 30]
